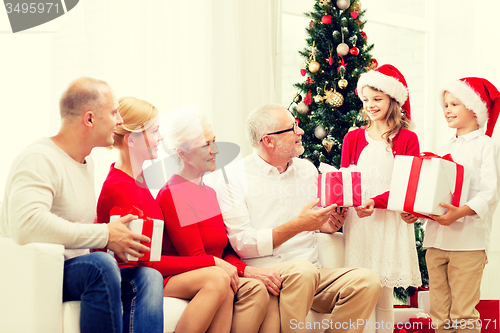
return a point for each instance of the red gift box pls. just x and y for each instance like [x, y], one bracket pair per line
[489, 312]
[414, 298]
[421, 324]
[151, 228]
[416, 325]
[339, 187]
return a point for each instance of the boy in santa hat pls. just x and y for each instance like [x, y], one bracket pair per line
[457, 250]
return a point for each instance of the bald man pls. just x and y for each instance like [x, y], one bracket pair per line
[50, 198]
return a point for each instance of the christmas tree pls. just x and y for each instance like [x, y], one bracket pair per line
[336, 55]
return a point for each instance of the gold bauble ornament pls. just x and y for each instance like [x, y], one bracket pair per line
[342, 83]
[373, 64]
[314, 66]
[352, 128]
[324, 2]
[318, 99]
[328, 144]
[342, 49]
[334, 98]
[297, 98]
[357, 6]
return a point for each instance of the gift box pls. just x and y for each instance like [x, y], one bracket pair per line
[420, 299]
[489, 312]
[420, 184]
[341, 187]
[151, 228]
[423, 325]
[419, 303]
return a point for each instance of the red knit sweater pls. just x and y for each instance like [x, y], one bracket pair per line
[194, 223]
[121, 190]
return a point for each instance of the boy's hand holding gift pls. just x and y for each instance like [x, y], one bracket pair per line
[147, 232]
[453, 214]
[429, 186]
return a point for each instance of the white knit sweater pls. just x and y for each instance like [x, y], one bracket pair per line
[49, 198]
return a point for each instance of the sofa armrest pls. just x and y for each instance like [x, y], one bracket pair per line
[31, 287]
[331, 249]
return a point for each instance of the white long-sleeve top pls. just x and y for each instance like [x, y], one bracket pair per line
[49, 198]
[481, 155]
[258, 199]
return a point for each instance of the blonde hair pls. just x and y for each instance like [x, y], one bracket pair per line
[136, 114]
[395, 118]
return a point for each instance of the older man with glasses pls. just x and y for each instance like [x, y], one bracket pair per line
[271, 220]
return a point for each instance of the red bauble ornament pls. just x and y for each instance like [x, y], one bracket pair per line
[354, 15]
[363, 34]
[326, 19]
[354, 51]
[303, 72]
[297, 120]
[330, 61]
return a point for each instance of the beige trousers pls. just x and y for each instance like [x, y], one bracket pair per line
[454, 285]
[349, 294]
[255, 310]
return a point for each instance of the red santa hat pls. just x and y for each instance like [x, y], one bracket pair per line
[478, 95]
[389, 80]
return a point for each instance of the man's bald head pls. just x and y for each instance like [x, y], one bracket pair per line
[83, 94]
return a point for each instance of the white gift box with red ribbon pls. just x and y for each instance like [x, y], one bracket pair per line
[420, 184]
[341, 187]
[151, 228]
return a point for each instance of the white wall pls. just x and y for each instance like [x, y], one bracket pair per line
[221, 55]
[24, 89]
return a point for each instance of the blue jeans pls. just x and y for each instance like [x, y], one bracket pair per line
[102, 287]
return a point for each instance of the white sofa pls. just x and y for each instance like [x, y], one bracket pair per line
[31, 288]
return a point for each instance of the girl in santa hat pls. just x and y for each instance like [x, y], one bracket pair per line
[457, 250]
[375, 237]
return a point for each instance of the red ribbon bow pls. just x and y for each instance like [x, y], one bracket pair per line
[147, 225]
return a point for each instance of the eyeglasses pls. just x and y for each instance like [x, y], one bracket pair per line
[293, 128]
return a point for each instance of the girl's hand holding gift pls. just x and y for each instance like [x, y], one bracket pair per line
[366, 209]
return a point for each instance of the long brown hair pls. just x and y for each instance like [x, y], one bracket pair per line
[395, 118]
